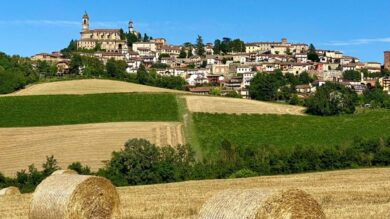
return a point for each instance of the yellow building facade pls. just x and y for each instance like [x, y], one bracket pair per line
[108, 40]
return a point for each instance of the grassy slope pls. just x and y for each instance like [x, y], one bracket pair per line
[95, 108]
[186, 117]
[287, 131]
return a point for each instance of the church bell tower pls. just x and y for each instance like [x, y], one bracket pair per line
[85, 23]
[131, 27]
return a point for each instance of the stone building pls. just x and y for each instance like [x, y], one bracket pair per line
[387, 60]
[108, 40]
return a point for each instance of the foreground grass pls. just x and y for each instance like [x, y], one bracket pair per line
[82, 109]
[288, 131]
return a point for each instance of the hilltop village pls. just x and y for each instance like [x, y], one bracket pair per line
[227, 65]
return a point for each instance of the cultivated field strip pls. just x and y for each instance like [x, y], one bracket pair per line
[88, 86]
[354, 194]
[90, 144]
[206, 104]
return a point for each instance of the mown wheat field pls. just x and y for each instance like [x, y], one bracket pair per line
[206, 104]
[351, 194]
[88, 86]
[343, 194]
[90, 144]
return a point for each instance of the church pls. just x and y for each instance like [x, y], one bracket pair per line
[108, 39]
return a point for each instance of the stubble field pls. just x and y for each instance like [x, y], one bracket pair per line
[88, 86]
[354, 194]
[207, 104]
[89, 144]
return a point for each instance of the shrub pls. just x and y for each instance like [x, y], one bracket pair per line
[243, 173]
[79, 168]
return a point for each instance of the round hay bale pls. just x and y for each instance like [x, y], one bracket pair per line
[68, 196]
[259, 204]
[60, 172]
[9, 191]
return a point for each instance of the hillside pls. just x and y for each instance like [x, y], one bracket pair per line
[357, 194]
[195, 103]
[132, 113]
[287, 131]
[89, 86]
[47, 110]
[89, 144]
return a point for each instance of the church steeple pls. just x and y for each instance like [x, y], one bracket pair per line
[85, 22]
[131, 27]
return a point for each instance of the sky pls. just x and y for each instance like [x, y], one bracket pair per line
[359, 28]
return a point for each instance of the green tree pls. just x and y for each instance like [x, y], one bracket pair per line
[131, 39]
[304, 78]
[146, 38]
[189, 53]
[217, 47]
[237, 46]
[163, 55]
[141, 162]
[75, 64]
[312, 54]
[288, 51]
[122, 34]
[50, 166]
[142, 75]
[72, 47]
[376, 97]
[332, 99]
[352, 75]
[116, 69]
[200, 51]
[264, 87]
[46, 68]
[93, 66]
[183, 53]
[171, 82]
[11, 80]
[160, 66]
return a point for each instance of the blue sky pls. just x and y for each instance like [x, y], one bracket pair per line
[357, 27]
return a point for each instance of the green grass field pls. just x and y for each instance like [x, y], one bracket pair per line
[288, 131]
[81, 109]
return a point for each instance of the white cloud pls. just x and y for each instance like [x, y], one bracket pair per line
[358, 42]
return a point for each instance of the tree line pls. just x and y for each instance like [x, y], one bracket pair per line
[141, 162]
[327, 100]
[277, 86]
[15, 73]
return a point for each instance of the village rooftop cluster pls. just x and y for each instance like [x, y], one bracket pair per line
[231, 71]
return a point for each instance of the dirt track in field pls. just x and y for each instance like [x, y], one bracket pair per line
[90, 144]
[354, 194]
[88, 86]
[207, 104]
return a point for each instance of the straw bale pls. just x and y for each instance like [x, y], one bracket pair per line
[9, 191]
[259, 204]
[70, 196]
[61, 172]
